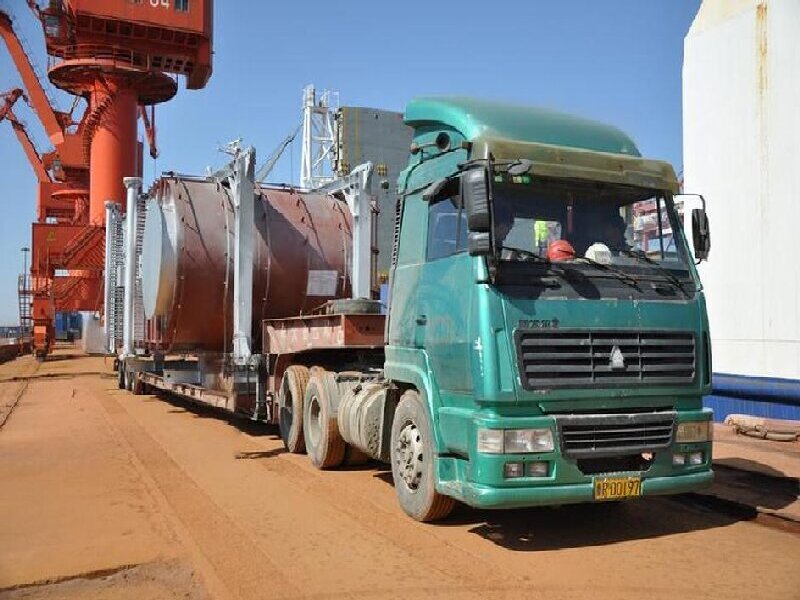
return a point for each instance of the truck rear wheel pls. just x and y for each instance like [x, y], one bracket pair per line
[413, 464]
[324, 443]
[290, 407]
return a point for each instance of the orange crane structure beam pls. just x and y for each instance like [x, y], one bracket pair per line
[39, 100]
[118, 56]
[7, 112]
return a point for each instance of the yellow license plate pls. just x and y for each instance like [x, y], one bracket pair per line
[614, 488]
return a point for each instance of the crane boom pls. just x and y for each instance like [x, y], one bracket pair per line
[38, 98]
[7, 112]
[269, 164]
[149, 122]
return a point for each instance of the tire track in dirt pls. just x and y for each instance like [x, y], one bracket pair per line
[416, 539]
[240, 569]
[24, 382]
[369, 522]
[300, 515]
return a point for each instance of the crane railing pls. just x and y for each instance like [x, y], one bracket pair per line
[175, 63]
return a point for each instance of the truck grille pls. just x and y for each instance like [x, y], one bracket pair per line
[575, 358]
[614, 435]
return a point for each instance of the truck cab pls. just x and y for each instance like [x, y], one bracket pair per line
[547, 329]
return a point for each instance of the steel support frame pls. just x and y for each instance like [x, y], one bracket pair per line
[319, 139]
[133, 186]
[107, 276]
[241, 177]
[357, 191]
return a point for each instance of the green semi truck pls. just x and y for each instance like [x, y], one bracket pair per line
[546, 338]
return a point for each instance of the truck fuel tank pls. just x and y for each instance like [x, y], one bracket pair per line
[361, 416]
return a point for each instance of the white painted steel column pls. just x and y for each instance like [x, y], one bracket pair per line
[357, 191]
[132, 185]
[306, 159]
[107, 291]
[359, 200]
[243, 192]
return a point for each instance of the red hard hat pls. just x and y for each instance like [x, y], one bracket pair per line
[560, 250]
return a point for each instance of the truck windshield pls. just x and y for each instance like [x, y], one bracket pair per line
[617, 229]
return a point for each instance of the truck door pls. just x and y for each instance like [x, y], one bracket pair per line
[443, 297]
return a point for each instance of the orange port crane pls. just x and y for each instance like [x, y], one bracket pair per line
[120, 57]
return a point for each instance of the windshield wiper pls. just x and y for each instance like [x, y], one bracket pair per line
[638, 254]
[625, 277]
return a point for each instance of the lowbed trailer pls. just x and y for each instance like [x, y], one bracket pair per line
[542, 342]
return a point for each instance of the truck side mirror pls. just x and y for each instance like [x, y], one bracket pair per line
[701, 233]
[479, 243]
[475, 194]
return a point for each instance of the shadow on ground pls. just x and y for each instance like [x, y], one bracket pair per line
[754, 483]
[579, 525]
[202, 411]
[52, 358]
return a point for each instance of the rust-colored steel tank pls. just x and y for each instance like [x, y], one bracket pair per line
[302, 246]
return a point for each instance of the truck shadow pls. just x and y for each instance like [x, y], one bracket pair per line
[579, 525]
[200, 411]
[582, 525]
[754, 483]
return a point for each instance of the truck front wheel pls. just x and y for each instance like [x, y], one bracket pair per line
[290, 407]
[413, 468]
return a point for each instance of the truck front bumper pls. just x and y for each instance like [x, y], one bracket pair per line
[484, 496]
[479, 478]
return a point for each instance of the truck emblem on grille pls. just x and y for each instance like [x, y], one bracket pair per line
[617, 359]
[539, 323]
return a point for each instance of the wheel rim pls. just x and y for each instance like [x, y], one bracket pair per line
[314, 424]
[286, 408]
[409, 456]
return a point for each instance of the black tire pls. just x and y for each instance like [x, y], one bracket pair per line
[324, 443]
[413, 462]
[137, 385]
[290, 407]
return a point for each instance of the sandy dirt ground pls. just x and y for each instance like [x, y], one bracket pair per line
[108, 495]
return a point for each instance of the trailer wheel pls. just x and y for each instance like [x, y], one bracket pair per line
[324, 443]
[290, 407]
[137, 385]
[413, 462]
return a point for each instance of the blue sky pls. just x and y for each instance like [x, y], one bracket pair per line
[618, 61]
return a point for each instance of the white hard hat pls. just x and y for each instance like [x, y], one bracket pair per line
[598, 252]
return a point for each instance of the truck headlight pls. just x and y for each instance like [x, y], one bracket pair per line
[694, 431]
[515, 441]
[520, 441]
[490, 441]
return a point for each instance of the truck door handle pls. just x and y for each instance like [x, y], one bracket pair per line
[422, 320]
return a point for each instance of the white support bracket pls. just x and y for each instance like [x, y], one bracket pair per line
[242, 182]
[357, 190]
